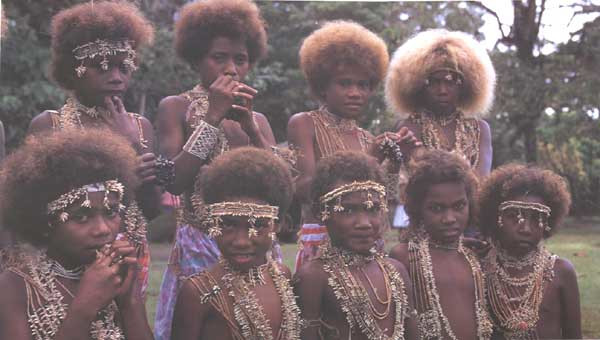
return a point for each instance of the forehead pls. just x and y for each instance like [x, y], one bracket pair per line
[442, 75]
[347, 70]
[228, 45]
[446, 192]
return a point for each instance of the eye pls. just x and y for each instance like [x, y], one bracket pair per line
[241, 60]
[460, 205]
[436, 208]
[79, 217]
[345, 82]
[124, 68]
[364, 85]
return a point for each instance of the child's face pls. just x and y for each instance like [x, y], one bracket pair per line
[348, 92]
[97, 84]
[225, 56]
[237, 246]
[445, 211]
[357, 227]
[75, 241]
[442, 92]
[521, 233]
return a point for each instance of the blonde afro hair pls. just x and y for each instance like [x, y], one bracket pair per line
[435, 50]
[203, 21]
[342, 42]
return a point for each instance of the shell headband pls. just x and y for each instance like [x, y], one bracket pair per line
[337, 193]
[64, 201]
[215, 211]
[542, 209]
[104, 48]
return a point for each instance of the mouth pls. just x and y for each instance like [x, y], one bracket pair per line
[241, 259]
[354, 106]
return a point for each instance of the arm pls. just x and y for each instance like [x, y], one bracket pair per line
[13, 304]
[301, 134]
[569, 300]
[189, 314]
[485, 149]
[410, 323]
[40, 123]
[267, 137]
[170, 124]
[148, 194]
[309, 285]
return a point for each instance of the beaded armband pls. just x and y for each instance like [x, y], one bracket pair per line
[165, 171]
[202, 141]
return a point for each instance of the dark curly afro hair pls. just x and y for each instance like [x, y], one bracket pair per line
[435, 167]
[248, 172]
[84, 23]
[49, 165]
[203, 21]
[340, 43]
[346, 167]
[514, 180]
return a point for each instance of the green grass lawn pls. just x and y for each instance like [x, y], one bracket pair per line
[580, 243]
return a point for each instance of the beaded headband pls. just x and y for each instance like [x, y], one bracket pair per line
[337, 193]
[215, 211]
[104, 49]
[64, 201]
[520, 205]
[453, 75]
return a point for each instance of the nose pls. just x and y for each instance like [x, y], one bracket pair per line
[526, 227]
[115, 76]
[101, 227]
[230, 69]
[448, 217]
[363, 221]
[241, 239]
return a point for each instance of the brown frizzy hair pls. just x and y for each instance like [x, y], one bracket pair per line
[203, 21]
[49, 165]
[248, 172]
[512, 180]
[436, 49]
[84, 23]
[339, 43]
[346, 167]
[436, 167]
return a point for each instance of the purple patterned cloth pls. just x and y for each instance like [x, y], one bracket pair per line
[193, 252]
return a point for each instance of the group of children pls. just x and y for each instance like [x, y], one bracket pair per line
[77, 194]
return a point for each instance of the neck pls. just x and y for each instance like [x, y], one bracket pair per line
[67, 262]
[451, 244]
[440, 112]
[87, 101]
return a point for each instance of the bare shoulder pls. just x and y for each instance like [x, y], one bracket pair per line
[399, 266]
[260, 117]
[400, 252]
[284, 269]
[301, 120]
[564, 270]
[172, 107]
[41, 123]
[483, 126]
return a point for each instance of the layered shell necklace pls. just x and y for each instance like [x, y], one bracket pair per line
[353, 297]
[329, 131]
[432, 321]
[515, 300]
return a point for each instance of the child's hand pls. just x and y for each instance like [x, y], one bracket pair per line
[241, 110]
[146, 168]
[221, 99]
[407, 141]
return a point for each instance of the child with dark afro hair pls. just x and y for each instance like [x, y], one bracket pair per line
[447, 279]
[532, 294]
[221, 40]
[343, 63]
[94, 52]
[349, 197]
[247, 294]
[73, 273]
